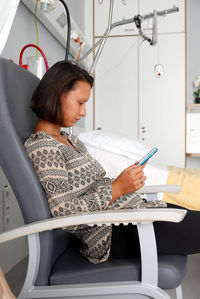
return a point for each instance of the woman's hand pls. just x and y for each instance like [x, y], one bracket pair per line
[130, 180]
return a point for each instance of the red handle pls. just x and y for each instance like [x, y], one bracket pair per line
[34, 46]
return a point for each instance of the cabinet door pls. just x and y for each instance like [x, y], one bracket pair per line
[162, 100]
[174, 22]
[120, 12]
[116, 87]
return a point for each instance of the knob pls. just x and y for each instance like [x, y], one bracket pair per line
[143, 129]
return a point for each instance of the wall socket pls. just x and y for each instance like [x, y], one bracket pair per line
[1, 211]
[5, 208]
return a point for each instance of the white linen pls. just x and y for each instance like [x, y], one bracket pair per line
[115, 153]
[8, 10]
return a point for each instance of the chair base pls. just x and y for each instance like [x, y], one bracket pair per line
[120, 290]
[117, 289]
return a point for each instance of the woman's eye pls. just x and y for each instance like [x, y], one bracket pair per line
[80, 103]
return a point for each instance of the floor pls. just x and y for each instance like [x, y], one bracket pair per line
[190, 285]
[191, 282]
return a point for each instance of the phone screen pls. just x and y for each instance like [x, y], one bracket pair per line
[148, 156]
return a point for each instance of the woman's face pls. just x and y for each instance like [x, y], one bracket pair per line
[73, 103]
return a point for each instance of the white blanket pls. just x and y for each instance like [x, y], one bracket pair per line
[115, 153]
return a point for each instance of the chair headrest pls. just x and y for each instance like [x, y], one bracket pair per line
[17, 86]
[17, 122]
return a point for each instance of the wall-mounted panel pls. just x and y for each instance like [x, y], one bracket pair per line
[162, 100]
[116, 87]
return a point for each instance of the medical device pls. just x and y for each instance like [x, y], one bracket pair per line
[137, 20]
[34, 63]
[38, 48]
[56, 22]
[159, 70]
[148, 156]
[48, 5]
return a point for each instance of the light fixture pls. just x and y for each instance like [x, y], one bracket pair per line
[46, 5]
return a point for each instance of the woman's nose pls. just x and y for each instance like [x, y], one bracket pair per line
[83, 110]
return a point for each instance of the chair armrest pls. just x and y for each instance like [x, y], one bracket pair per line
[97, 218]
[159, 189]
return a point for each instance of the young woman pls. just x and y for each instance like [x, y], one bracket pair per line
[74, 182]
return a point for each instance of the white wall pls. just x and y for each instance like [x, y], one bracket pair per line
[77, 10]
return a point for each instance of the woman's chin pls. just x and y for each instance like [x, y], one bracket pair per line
[69, 125]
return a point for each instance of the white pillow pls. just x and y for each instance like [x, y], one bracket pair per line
[115, 143]
[115, 153]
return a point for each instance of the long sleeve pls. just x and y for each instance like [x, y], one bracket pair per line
[74, 182]
[69, 183]
[70, 189]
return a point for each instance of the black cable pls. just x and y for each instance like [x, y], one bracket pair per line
[68, 29]
[138, 20]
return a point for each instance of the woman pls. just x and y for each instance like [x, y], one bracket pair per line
[74, 182]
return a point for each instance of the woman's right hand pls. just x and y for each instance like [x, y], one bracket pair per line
[130, 180]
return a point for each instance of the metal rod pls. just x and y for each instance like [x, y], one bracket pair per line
[96, 58]
[105, 34]
[161, 13]
[123, 22]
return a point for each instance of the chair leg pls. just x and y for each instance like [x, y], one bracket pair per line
[179, 294]
[5, 292]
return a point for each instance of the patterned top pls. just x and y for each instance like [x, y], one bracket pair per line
[75, 182]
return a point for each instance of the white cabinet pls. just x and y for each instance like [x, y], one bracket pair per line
[174, 22]
[193, 131]
[116, 87]
[162, 100]
[120, 12]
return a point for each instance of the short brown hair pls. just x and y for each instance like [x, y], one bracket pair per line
[60, 78]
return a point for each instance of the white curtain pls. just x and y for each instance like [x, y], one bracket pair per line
[8, 10]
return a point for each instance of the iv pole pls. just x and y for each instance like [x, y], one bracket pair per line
[137, 20]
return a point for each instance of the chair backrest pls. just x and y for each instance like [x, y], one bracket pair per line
[16, 124]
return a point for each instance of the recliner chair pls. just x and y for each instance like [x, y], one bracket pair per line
[56, 269]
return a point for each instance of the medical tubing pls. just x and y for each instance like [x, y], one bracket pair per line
[68, 29]
[80, 48]
[34, 46]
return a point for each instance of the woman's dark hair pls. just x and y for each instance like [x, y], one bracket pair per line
[60, 78]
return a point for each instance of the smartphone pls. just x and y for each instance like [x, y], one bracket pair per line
[148, 156]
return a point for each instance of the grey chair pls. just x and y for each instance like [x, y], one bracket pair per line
[55, 267]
